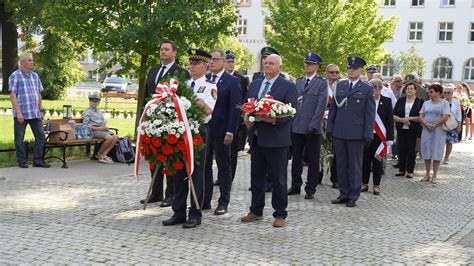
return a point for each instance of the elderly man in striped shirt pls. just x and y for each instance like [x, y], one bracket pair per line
[25, 93]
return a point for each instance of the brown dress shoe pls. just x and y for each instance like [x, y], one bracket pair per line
[279, 222]
[251, 217]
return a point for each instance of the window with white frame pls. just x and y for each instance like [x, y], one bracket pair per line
[445, 32]
[415, 31]
[387, 69]
[445, 3]
[471, 32]
[241, 27]
[389, 2]
[417, 2]
[469, 69]
[442, 68]
[243, 2]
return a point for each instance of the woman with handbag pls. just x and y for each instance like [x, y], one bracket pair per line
[452, 135]
[406, 115]
[433, 114]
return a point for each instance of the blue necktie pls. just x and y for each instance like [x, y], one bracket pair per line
[265, 90]
[214, 77]
[307, 82]
[192, 84]
[350, 87]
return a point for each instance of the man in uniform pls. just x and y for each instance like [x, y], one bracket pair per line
[222, 130]
[370, 72]
[351, 125]
[312, 97]
[266, 51]
[238, 144]
[206, 93]
[270, 145]
[157, 74]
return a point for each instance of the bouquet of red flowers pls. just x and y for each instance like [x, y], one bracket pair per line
[267, 106]
[168, 133]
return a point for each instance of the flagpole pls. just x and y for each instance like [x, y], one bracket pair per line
[148, 195]
[193, 190]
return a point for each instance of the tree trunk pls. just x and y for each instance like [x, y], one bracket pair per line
[141, 90]
[10, 46]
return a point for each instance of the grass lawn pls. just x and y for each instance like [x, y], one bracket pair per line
[78, 103]
[7, 159]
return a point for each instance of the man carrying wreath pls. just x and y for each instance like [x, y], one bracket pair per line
[206, 93]
[270, 144]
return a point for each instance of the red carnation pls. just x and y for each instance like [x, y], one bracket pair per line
[264, 110]
[161, 158]
[181, 146]
[145, 149]
[153, 149]
[152, 165]
[171, 139]
[156, 142]
[178, 165]
[146, 139]
[249, 107]
[167, 150]
[197, 140]
[166, 171]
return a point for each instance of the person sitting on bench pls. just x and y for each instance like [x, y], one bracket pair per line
[94, 118]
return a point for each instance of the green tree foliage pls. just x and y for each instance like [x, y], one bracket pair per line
[333, 29]
[411, 62]
[56, 58]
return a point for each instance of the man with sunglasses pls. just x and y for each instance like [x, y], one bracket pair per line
[312, 95]
[351, 125]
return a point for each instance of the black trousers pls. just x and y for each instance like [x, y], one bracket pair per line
[234, 150]
[222, 156]
[275, 161]
[182, 191]
[311, 145]
[371, 164]
[157, 190]
[406, 139]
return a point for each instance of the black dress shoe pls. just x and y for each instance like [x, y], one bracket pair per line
[23, 165]
[216, 183]
[269, 189]
[293, 191]
[152, 199]
[350, 203]
[400, 174]
[335, 185]
[364, 188]
[42, 165]
[173, 221]
[409, 176]
[191, 223]
[220, 210]
[309, 195]
[339, 200]
[395, 165]
[166, 202]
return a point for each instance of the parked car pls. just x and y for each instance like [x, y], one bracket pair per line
[116, 84]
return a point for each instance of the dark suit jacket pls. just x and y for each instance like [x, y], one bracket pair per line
[386, 115]
[150, 84]
[244, 84]
[399, 110]
[225, 116]
[278, 135]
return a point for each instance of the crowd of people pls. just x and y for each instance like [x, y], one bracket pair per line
[365, 120]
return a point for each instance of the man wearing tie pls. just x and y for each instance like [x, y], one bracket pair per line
[351, 125]
[157, 74]
[312, 100]
[222, 129]
[270, 145]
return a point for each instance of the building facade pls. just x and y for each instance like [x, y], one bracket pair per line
[441, 30]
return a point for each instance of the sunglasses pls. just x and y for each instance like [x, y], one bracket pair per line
[333, 72]
[95, 101]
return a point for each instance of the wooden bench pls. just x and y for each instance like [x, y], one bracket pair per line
[108, 95]
[62, 139]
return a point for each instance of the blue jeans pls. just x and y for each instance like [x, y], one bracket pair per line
[36, 126]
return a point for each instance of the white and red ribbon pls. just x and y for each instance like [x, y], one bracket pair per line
[381, 132]
[163, 91]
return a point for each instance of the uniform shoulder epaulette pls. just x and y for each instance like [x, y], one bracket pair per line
[210, 81]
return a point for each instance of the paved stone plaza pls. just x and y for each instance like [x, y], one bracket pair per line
[90, 213]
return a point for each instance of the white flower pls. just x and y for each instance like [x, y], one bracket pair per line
[252, 119]
[272, 113]
[196, 131]
[274, 107]
[285, 109]
[178, 135]
[173, 131]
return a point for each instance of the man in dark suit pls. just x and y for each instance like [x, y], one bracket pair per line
[312, 96]
[351, 125]
[372, 162]
[270, 145]
[238, 143]
[222, 130]
[163, 72]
